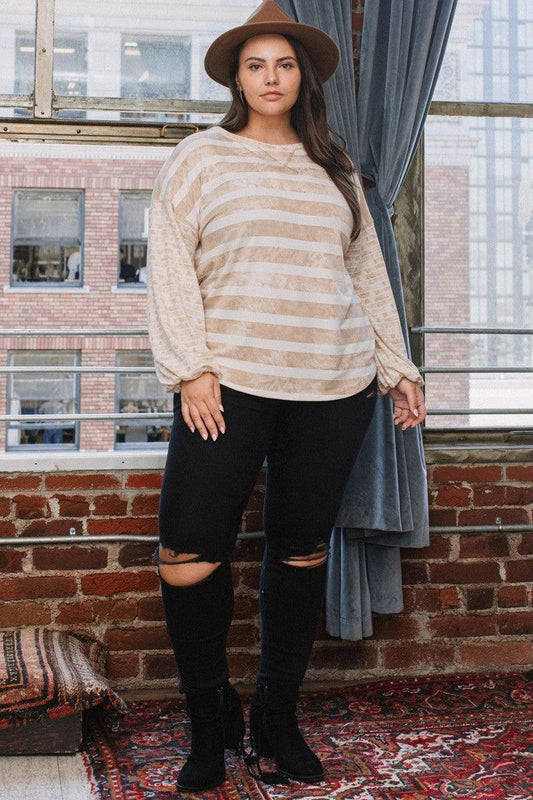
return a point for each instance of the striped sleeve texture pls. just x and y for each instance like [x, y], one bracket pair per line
[252, 276]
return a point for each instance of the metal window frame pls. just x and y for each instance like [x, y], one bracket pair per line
[35, 419]
[37, 285]
[409, 232]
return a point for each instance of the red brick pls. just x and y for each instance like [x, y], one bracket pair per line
[137, 638]
[516, 623]
[7, 528]
[243, 634]
[442, 517]
[145, 505]
[487, 516]
[19, 483]
[512, 596]
[420, 598]
[519, 495]
[117, 525]
[344, 655]
[525, 545]
[250, 549]
[468, 474]
[11, 560]
[496, 654]
[112, 610]
[75, 613]
[31, 506]
[105, 584]
[256, 500]
[159, 665]
[133, 555]
[489, 495]
[449, 597]
[252, 521]
[414, 573]
[249, 576]
[453, 496]
[457, 572]
[519, 571]
[404, 657]
[109, 505]
[492, 545]
[71, 558]
[243, 666]
[74, 506]
[246, 606]
[5, 506]
[151, 609]
[52, 527]
[15, 615]
[31, 588]
[122, 665]
[439, 547]
[70, 481]
[520, 472]
[479, 599]
[136, 480]
[452, 626]
[394, 626]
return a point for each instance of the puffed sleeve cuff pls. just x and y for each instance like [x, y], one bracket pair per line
[172, 382]
[391, 368]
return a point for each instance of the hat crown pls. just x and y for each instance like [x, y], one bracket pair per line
[269, 11]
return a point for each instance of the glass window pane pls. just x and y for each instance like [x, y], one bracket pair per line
[478, 261]
[141, 392]
[47, 241]
[35, 392]
[482, 62]
[17, 34]
[134, 208]
[132, 53]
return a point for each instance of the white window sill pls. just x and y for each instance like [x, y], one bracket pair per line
[47, 289]
[128, 287]
[81, 461]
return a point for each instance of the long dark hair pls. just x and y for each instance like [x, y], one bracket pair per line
[309, 119]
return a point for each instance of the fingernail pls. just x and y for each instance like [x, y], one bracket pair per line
[222, 430]
[221, 407]
[415, 412]
[204, 436]
[214, 437]
[191, 429]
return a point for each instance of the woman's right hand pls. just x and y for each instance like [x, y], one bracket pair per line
[201, 405]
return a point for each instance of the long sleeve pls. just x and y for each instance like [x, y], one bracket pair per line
[364, 261]
[176, 321]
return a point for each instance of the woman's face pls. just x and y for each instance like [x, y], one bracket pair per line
[269, 74]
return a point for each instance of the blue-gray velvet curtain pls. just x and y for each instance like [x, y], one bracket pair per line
[385, 502]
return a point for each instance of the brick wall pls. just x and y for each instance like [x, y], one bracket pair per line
[468, 598]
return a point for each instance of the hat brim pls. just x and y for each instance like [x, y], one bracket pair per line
[321, 48]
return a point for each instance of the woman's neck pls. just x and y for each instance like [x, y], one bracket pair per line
[270, 130]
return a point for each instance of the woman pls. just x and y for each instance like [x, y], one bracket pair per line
[272, 320]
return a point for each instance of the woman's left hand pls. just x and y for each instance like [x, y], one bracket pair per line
[409, 404]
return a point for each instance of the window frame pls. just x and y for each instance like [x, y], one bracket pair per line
[15, 242]
[74, 447]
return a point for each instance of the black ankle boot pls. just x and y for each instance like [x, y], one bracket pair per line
[274, 733]
[217, 722]
[232, 719]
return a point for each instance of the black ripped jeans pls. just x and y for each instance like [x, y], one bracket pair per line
[310, 447]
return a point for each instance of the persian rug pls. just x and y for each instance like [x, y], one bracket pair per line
[466, 736]
[46, 674]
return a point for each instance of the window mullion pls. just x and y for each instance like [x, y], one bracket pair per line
[44, 58]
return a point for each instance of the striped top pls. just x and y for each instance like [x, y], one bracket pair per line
[252, 275]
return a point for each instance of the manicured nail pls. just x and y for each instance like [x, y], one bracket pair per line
[221, 407]
[222, 430]
[415, 412]
[204, 436]
[214, 437]
[191, 428]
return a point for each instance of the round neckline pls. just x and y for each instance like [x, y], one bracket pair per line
[258, 142]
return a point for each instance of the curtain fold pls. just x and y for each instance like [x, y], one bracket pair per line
[385, 503]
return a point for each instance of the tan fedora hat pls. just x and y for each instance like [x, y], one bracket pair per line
[270, 18]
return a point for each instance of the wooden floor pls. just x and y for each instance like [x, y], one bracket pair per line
[44, 778]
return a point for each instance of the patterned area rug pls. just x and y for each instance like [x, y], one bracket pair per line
[468, 736]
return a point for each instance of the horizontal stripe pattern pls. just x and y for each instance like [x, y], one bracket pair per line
[251, 270]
